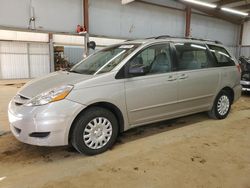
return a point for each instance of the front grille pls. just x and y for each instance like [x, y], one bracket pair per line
[246, 86]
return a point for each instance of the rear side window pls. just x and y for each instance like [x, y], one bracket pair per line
[221, 55]
[192, 56]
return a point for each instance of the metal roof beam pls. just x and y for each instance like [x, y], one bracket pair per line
[243, 7]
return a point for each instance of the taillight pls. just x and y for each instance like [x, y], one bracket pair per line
[238, 67]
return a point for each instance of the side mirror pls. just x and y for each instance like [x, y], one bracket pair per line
[91, 45]
[137, 71]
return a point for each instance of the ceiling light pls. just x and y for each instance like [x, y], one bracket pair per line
[234, 11]
[2, 178]
[202, 3]
[124, 2]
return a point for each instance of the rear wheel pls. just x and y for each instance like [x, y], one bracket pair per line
[94, 131]
[221, 106]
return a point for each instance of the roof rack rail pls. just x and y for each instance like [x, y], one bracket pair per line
[163, 37]
[208, 40]
[191, 38]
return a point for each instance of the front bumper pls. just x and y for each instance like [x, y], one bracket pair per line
[46, 125]
[245, 85]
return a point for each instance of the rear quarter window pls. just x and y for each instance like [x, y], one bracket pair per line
[221, 56]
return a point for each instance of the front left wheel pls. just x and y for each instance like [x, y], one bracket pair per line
[94, 131]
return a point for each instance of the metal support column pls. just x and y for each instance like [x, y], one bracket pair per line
[28, 56]
[86, 49]
[86, 14]
[51, 53]
[188, 21]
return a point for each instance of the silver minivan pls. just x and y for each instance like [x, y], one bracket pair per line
[124, 86]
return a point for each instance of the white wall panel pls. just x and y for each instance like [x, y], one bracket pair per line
[134, 20]
[214, 29]
[24, 60]
[14, 66]
[74, 54]
[13, 60]
[13, 47]
[68, 39]
[234, 51]
[23, 36]
[39, 48]
[246, 34]
[39, 59]
[105, 41]
[39, 65]
[53, 15]
[245, 51]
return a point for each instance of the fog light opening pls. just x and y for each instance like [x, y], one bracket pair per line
[39, 134]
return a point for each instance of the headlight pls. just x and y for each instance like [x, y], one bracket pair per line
[52, 95]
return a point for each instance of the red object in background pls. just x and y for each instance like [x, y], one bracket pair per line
[80, 28]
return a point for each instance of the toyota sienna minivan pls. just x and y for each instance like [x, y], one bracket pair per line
[123, 86]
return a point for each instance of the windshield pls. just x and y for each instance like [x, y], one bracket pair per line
[104, 60]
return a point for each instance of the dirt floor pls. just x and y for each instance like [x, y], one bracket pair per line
[193, 151]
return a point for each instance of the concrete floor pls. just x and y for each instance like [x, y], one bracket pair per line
[193, 151]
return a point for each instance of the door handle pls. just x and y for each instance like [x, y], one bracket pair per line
[171, 78]
[183, 76]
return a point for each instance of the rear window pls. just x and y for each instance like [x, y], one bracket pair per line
[221, 55]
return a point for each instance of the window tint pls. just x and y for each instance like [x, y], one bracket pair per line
[154, 59]
[221, 55]
[192, 56]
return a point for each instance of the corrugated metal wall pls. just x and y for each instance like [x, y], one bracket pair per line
[51, 15]
[14, 60]
[73, 54]
[246, 36]
[245, 51]
[135, 20]
[138, 20]
[214, 29]
[235, 51]
[110, 18]
[107, 18]
[23, 60]
[39, 59]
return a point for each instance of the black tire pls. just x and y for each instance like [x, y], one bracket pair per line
[80, 127]
[214, 112]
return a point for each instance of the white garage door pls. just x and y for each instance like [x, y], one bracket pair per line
[23, 60]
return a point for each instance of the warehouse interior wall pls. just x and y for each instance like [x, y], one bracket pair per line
[138, 20]
[134, 20]
[110, 18]
[245, 48]
[214, 29]
[246, 34]
[51, 15]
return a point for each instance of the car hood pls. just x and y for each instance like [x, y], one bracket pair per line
[56, 79]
